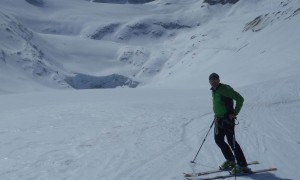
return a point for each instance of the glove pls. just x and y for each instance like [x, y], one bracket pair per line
[232, 117]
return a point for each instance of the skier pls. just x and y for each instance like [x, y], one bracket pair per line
[225, 114]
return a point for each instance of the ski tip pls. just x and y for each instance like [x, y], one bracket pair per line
[255, 162]
[187, 175]
[273, 169]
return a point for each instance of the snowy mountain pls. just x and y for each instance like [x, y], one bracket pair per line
[164, 50]
[153, 44]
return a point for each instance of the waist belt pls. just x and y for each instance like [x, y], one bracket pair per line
[223, 123]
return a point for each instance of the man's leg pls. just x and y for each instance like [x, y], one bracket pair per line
[240, 157]
[219, 139]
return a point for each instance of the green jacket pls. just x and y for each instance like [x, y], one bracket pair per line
[223, 98]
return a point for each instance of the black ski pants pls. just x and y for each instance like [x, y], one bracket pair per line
[228, 150]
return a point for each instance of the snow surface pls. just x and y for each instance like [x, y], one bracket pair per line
[50, 131]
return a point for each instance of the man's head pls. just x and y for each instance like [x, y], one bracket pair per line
[214, 80]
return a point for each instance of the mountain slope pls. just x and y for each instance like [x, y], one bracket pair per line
[249, 37]
[156, 44]
[22, 57]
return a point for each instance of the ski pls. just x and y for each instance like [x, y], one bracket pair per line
[213, 171]
[233, 175]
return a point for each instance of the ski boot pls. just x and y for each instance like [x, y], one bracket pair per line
[240, 169]
[227, 165]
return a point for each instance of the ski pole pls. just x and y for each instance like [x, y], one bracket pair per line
[234, 148]
[203, 142]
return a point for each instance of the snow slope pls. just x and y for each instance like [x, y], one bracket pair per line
[50, 131]
[142, 133]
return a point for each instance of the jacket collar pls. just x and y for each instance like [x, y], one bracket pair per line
[217, 87]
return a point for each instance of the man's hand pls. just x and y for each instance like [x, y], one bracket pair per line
[232, 117]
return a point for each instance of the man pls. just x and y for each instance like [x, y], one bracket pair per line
[225, 115]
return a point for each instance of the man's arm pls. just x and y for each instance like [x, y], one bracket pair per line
[231, 93]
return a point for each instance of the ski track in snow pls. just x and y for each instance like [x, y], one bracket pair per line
[270, 129]
[68, 141]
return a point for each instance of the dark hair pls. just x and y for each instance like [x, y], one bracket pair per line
[214, 75]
